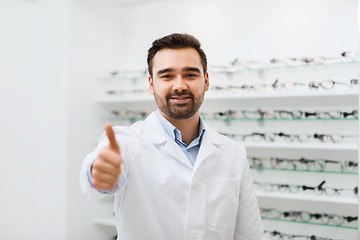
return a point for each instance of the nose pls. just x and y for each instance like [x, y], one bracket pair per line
[179, 84]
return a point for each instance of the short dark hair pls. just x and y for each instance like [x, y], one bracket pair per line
[175, 41]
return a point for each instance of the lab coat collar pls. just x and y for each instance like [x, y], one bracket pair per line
[210, 142]
[159, 136]
[175, 134]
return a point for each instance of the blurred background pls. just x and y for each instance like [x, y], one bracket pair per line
[53, 53]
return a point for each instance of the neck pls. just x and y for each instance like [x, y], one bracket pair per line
[188, 127]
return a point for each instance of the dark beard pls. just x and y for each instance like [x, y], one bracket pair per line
[179, 111]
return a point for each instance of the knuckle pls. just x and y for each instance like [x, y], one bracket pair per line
[98, 164]
[119, 160]
[101, 154]
[107, 186]
[95, 183]
[95, 174]
[95, 164]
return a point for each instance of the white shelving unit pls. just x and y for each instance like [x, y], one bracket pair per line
[337, 98]
[303, 200]
[345, 95]
[308, 197]
[304, 146]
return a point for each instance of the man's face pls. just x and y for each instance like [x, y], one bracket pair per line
[178, 82]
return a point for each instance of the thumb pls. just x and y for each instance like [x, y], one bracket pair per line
[112, 140]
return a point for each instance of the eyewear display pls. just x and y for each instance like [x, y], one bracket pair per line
[276, 235]
[248, 87]
[287, 86]
[128, 92]
[301, 138]
[238, 65]
[303, 216]
[131, 113]
[302, 164]
[129, 73]
[335, 114]
[292, 188]
[280, 114]
[256, 114]
[346, 56]
[329, 84]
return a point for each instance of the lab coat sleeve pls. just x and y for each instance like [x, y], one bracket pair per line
[249, 225]
[128, 143]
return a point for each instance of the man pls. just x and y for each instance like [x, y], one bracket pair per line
[174, 177]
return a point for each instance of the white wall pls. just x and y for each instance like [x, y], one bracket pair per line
[95, 33]
[51, 54]
[247, 29]
[33, 119]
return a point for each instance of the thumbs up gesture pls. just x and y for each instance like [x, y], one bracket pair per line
[105, 170]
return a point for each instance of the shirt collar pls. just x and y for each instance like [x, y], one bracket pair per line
[174, 133]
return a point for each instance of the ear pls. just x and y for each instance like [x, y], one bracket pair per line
[206, 81]
[151, 86]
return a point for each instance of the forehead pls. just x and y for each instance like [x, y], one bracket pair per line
[177, 59]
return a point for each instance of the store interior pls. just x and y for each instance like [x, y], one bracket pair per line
[283, 82]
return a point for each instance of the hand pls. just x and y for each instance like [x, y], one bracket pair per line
[105, 170]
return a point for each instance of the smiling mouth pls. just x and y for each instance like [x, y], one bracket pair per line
[180, 99]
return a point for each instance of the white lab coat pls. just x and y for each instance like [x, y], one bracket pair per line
[161, 196]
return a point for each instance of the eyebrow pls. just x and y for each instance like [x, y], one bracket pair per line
[165, 71]
[191, 69]
[186, 69]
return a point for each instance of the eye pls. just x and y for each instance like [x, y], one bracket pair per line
[191, 75]
[167, 76]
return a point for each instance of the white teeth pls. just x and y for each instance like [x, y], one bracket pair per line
[179, 97]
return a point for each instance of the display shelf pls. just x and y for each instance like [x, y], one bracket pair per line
[132, 119]
[281, 67]
[123, 78]
[274, 234]
[110, 222]
[220, 99]
[143, 74]
[305, 170]
[350, 95]
[124, 99]
[308, 197]
[310, 223]
[278, 119]
[119, 119]
[304, 146]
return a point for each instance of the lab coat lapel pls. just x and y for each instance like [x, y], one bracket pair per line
[157, 133]
[175, 151]
[211, 141]
[158, 136]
